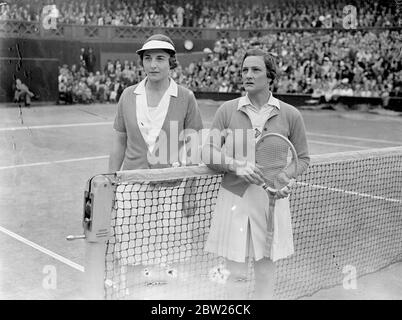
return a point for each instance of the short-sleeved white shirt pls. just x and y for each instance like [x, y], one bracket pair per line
[150, 120]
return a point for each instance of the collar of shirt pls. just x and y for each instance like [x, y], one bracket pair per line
[172, 90]
[244, 102]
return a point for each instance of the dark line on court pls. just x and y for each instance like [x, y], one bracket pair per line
[94, 114]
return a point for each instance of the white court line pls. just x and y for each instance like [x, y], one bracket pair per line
[25, 165]
[71, 125]
[337, 144]
[107, 156]
[43, 250]
[353, 138]
[365, 195]
[52, 126]
[52, 162]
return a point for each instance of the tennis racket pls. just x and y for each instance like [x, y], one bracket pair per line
[276, 157]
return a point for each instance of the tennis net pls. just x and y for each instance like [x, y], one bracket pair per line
[346, 217]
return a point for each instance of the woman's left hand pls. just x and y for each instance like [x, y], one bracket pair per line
[283, 179]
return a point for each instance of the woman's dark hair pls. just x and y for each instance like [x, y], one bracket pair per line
[269, 61]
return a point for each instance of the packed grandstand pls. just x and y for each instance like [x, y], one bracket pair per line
[208, 13]
[327, 61]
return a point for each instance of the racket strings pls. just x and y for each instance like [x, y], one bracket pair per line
[273, 156]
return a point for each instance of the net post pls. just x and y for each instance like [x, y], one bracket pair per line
[98, 204]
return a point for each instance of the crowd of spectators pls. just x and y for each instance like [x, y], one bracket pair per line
[365, 64]
[362, 64]
[221, 14]
[82, 83]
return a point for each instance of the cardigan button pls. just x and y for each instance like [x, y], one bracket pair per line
[265, 129]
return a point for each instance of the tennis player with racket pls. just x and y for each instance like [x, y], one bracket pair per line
[252, 216]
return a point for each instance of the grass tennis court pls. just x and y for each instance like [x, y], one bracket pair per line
[48, 154]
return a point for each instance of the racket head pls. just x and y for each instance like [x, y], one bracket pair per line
[275, 154]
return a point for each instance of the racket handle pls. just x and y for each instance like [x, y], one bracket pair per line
[269, 239]
[269, 190]
[270, 221]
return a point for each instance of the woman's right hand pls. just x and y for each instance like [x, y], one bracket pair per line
[247, 171]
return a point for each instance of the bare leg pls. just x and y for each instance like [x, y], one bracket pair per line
[264, 279]
[236, 283]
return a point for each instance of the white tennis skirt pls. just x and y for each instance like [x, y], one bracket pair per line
[239, 226]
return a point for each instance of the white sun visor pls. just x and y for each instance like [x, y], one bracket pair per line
[156, 44]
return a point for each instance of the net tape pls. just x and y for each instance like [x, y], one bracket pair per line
[346, 215]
